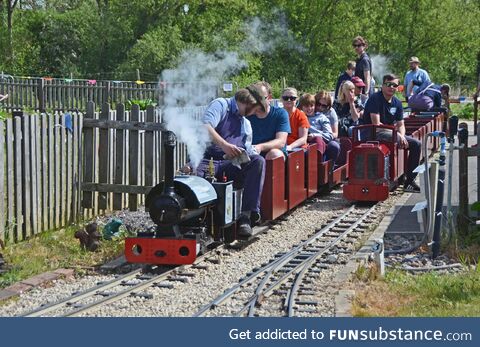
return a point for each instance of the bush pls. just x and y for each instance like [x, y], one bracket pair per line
[142, 103]
[466, 111]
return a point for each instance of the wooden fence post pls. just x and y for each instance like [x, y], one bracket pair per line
[108, 87]
[19, 220]
[88, 158]
[41, 94]
[463, 178]
[149, 154]
[119, 157]
[103, 158]
[133, 158]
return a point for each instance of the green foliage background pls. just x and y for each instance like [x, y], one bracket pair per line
[110, 39]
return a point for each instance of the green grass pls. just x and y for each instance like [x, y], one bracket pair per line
[52, 250]
[401, 294]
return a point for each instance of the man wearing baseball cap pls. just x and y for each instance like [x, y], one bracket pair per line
[415, 74]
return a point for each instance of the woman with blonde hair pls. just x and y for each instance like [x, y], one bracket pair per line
[349, 108]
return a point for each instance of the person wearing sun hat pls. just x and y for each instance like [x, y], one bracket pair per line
[270, 126]
[415, 74]
[231, 136]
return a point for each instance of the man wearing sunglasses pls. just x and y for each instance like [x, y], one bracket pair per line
[363, 67]
[384, 108]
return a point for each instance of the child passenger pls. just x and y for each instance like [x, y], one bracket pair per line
[320, 131]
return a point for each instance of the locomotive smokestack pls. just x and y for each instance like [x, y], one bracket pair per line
[169, 147]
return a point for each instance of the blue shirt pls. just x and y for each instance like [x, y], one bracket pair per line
[222, 114]
[320, 125]
[390, 112]
[266, 129]
[418, 75]
[331, 114]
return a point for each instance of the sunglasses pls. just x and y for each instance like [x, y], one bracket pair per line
[323, 105]
[289, 98]
[358, 45]
[391, 84]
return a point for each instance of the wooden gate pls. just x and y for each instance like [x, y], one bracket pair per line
[122, 157]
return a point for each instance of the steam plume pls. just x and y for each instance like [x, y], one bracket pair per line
[194, 83]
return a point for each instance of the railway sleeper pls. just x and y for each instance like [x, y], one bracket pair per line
[105, 293]
[307, 292]
[163, 285]
[178, 279]
[142, 295]
[306, 303]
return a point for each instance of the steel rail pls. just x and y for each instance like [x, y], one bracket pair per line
[280, 261]
[42, 310]
[261, 292]
[286, 257]
[308, 263]
[136, 288]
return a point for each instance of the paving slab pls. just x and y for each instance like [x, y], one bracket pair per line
[41, 279]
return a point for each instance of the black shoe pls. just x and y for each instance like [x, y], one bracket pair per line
[255, 218]
[243, 226]
[411, 187]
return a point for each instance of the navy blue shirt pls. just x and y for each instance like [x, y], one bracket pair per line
[363, 64]
[390, 112]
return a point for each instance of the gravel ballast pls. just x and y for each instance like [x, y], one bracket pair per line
[186, 298]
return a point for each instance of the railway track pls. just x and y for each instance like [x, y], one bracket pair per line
[302, 263]
[289, 276]
[130, 284]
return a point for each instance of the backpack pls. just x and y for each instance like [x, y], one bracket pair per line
[420, 101]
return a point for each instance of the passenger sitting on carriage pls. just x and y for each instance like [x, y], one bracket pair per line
[320, 131]
[231, 134]
[298, 120]
[349, 107]
[324, 104]
[429, 96]
[270, 127]
[384, 108]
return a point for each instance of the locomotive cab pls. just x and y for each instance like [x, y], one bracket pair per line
[374, 166]
[369, 173]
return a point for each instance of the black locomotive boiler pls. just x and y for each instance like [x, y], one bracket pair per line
[190, 213]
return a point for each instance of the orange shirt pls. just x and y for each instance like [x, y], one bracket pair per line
[298, 119]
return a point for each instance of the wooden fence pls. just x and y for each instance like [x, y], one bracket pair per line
[42, 164]
[55, 94]
[69, 94]
[39, 171]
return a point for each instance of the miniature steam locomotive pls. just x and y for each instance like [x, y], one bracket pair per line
[191, 213]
